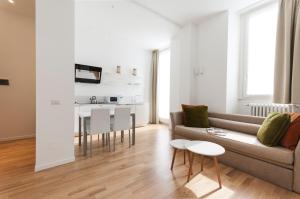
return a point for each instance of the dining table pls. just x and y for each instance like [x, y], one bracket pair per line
[86, 115]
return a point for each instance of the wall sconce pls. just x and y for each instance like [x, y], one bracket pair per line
[134, 72]
[118, 70]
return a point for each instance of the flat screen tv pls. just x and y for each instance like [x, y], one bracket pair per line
[88, 74]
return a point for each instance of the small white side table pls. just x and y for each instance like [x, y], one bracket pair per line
[179, 144]
[204, 148]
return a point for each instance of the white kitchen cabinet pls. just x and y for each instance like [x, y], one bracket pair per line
[142, 114]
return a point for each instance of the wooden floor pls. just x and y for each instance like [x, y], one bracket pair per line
[141, 172]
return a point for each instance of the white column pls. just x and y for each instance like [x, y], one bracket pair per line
[54, 83]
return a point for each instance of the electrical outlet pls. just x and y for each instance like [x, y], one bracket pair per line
[55, 102]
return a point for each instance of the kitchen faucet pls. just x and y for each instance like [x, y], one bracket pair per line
[93, 100]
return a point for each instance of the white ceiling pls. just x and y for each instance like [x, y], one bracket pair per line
[150, 23]
[24, 7]
[181, 12]
[185, 11]
[147, 23]
[122, 21]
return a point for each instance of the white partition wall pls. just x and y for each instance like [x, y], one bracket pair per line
[54, 83]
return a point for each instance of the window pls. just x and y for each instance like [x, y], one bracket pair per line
[163, 88]
[258, 38]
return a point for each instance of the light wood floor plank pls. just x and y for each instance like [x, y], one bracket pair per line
[142, 171]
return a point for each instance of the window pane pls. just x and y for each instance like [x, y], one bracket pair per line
[164, 84]
[261, 51]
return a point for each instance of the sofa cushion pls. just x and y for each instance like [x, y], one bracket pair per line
[291, 138]
[273, 128]
[195, 116]
[242, 143]
[234, 125]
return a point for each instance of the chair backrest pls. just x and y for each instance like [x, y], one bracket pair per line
[121, 119]
[100, 120]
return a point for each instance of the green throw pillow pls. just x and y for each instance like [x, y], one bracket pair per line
[195, 116]
[273, 128]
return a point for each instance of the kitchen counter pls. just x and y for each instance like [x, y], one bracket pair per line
[107, 104]
[141, 111]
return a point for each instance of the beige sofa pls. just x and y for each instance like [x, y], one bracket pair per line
[243, 151]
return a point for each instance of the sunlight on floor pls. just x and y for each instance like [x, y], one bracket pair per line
[211, 190]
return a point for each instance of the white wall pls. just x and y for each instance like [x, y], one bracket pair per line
[102, 47]
[232, 90]
[110, 53]
[212, 61]
[183, 48]
[204, 64]
[109, 34]
[17, 64]
[54, 83]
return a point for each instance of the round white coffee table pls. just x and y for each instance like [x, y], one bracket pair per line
[179, 144]
[208, 149]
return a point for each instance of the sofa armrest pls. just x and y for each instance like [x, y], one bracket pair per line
[297, 169]
[176, 119]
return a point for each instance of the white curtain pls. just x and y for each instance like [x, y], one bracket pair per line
[154, 110]
[287, 63]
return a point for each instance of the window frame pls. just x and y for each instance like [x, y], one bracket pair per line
[244, 25]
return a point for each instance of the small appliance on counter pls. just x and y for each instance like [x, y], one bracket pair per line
[112, 99]
[93, 100]
[125, 100]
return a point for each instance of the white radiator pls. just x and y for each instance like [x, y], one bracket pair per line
[263, 110]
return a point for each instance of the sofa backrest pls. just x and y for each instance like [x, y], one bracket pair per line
[238, 118]
[241, 123]
[243, 127]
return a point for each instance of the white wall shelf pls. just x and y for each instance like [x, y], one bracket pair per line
[121, 79]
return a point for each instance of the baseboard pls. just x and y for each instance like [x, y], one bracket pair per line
[53, 164]
[17, 138]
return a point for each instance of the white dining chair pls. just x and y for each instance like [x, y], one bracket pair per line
[100, 124]
[121, 122]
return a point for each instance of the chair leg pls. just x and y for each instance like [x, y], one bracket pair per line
[122, 136]
[108, 141]
[129, 139]
[98, 138]
[114, 140]
[103, 140]
[91, 144]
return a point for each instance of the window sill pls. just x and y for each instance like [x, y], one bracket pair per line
[267, 98]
